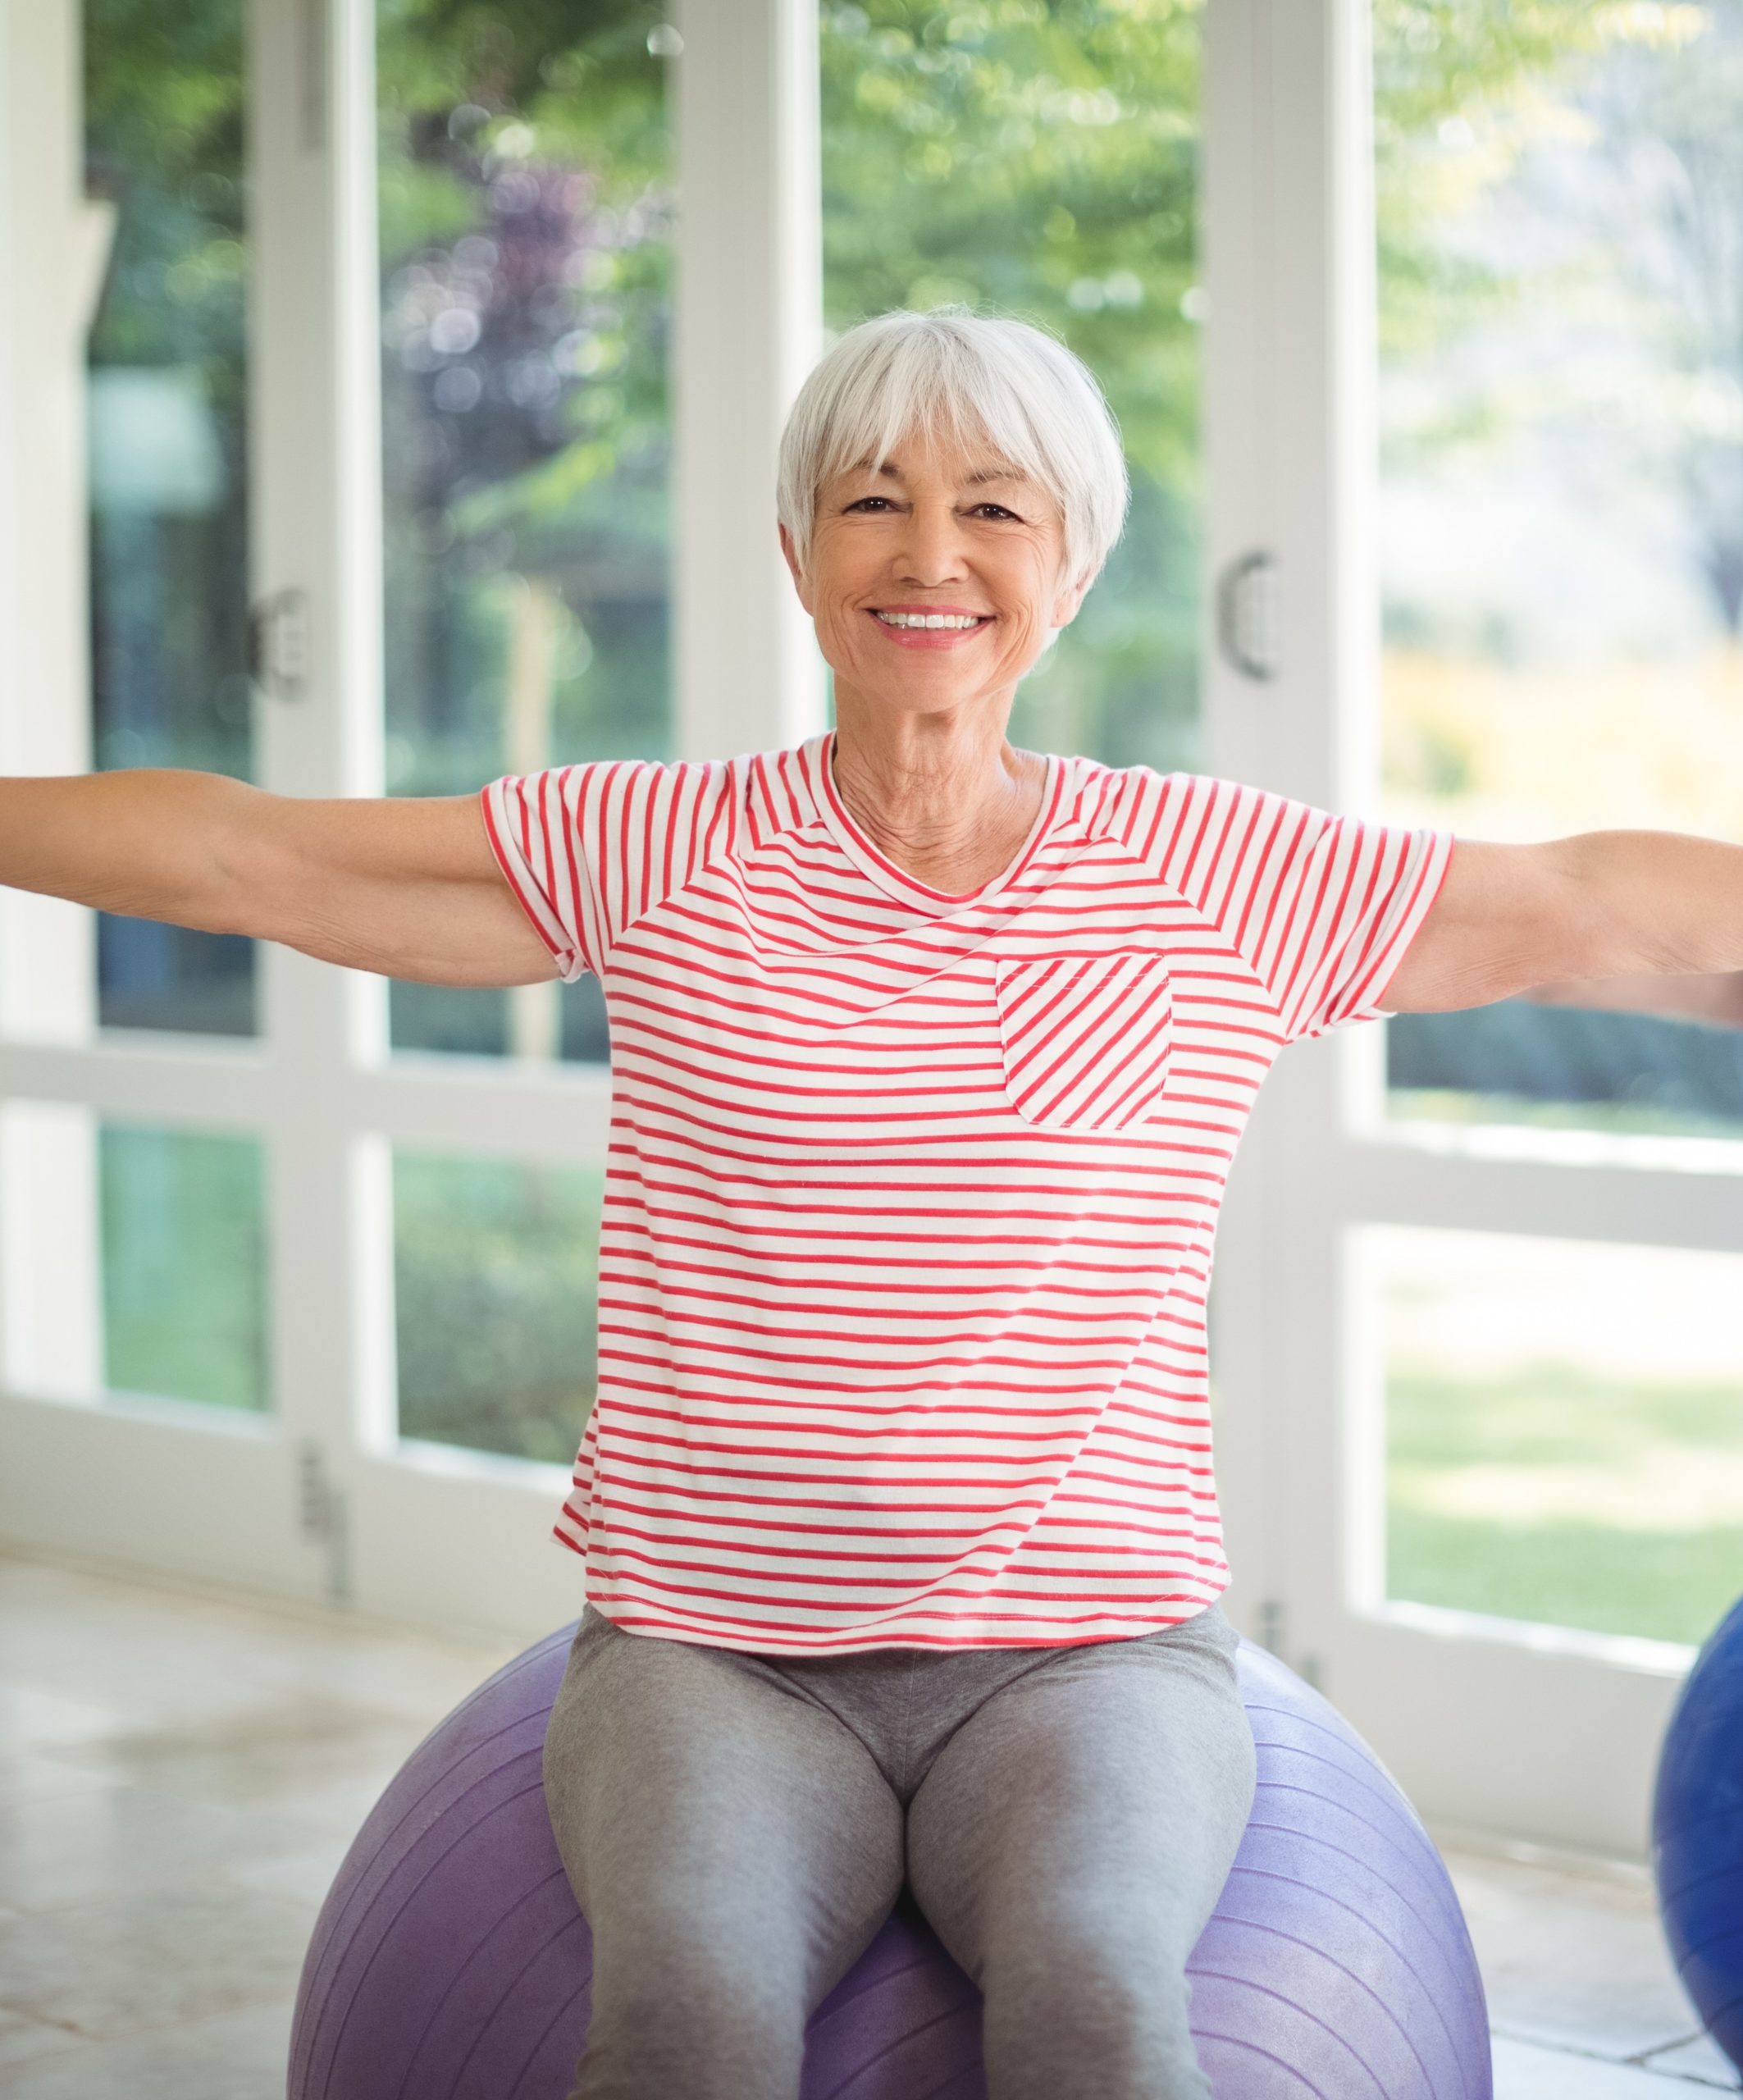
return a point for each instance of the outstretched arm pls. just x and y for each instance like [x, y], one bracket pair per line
[408, 888]
[1621, 907]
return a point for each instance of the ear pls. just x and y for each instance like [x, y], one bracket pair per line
[1069, 599]
[793, 569]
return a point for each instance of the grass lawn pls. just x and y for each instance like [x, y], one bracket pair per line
[1555, 1495]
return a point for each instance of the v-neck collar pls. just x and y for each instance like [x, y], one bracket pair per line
[817, 754]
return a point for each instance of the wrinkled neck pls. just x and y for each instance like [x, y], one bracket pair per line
[950, 806]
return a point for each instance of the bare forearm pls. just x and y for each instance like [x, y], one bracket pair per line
[404, 887]
[1622, 909]
[1659, 902]
[148, 842]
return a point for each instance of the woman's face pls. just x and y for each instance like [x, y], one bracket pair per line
[934, 530]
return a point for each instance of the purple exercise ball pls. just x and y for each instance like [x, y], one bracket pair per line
[450, 1961]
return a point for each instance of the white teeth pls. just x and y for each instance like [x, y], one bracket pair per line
[930, 619]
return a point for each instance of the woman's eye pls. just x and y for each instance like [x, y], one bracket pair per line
[877, 503]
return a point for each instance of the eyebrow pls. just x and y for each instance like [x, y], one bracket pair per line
[973, 480]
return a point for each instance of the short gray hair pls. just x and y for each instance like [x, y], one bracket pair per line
[965, 376]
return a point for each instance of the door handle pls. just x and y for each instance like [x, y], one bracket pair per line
[278, 644]
[1246, 614]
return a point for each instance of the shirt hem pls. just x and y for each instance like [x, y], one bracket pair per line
[766, 1640]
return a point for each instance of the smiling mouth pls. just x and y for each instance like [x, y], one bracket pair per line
[932, 622]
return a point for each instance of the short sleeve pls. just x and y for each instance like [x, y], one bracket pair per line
[1321, 907]
[531, 821]
[588, 849]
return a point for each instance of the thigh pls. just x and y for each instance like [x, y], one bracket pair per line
[1094, 1805]
[711, 1819]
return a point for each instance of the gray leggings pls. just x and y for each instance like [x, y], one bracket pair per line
[736, 1827]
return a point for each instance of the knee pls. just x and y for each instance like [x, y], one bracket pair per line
[670, 1955]
[1098, 2001]
[1105, 1959]
[685, 2012]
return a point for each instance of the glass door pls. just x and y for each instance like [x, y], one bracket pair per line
[1491, 1451]
[1562, 593]
[144, 1416]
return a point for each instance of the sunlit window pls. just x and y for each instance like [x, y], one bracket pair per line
[1564, 1435]
[1561, 533]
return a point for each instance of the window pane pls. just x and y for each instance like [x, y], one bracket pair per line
[184, 1266]
[494, 1277]
[1045, 160]
[166, 405]
[1560, 196]
[1564, 1429]
[526, 203]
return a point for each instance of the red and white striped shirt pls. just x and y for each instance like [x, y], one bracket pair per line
[910, 1197]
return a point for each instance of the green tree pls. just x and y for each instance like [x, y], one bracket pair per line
[526, 197]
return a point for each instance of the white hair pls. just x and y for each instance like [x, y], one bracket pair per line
[966, 377]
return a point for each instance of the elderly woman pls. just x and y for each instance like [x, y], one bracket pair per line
[930, 1055]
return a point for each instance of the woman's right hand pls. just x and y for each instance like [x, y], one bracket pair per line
[406, 888]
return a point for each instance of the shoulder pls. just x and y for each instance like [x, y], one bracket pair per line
[1140, 807]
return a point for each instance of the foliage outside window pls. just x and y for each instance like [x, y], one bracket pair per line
[166, 425]
[1043, 160]
[527, 198]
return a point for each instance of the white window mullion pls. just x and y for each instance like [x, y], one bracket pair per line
[1623, 1201]
[52, 244]
[314, 434]
[1278, 441]
[315, 532]
[1293, 473]
[748, 321]
[552, 1115]
[145, 1078]
[1288, 429]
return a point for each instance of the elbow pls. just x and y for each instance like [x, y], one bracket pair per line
[250, 877]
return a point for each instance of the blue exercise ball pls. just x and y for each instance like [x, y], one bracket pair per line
[1697, 1834]
[450, 1961]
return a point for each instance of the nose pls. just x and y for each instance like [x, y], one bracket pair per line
[931, 553]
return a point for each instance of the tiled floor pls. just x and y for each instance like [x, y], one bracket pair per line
[180, 1775]
[1582, 1998]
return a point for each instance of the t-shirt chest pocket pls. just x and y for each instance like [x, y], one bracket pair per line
[1086, 1039]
